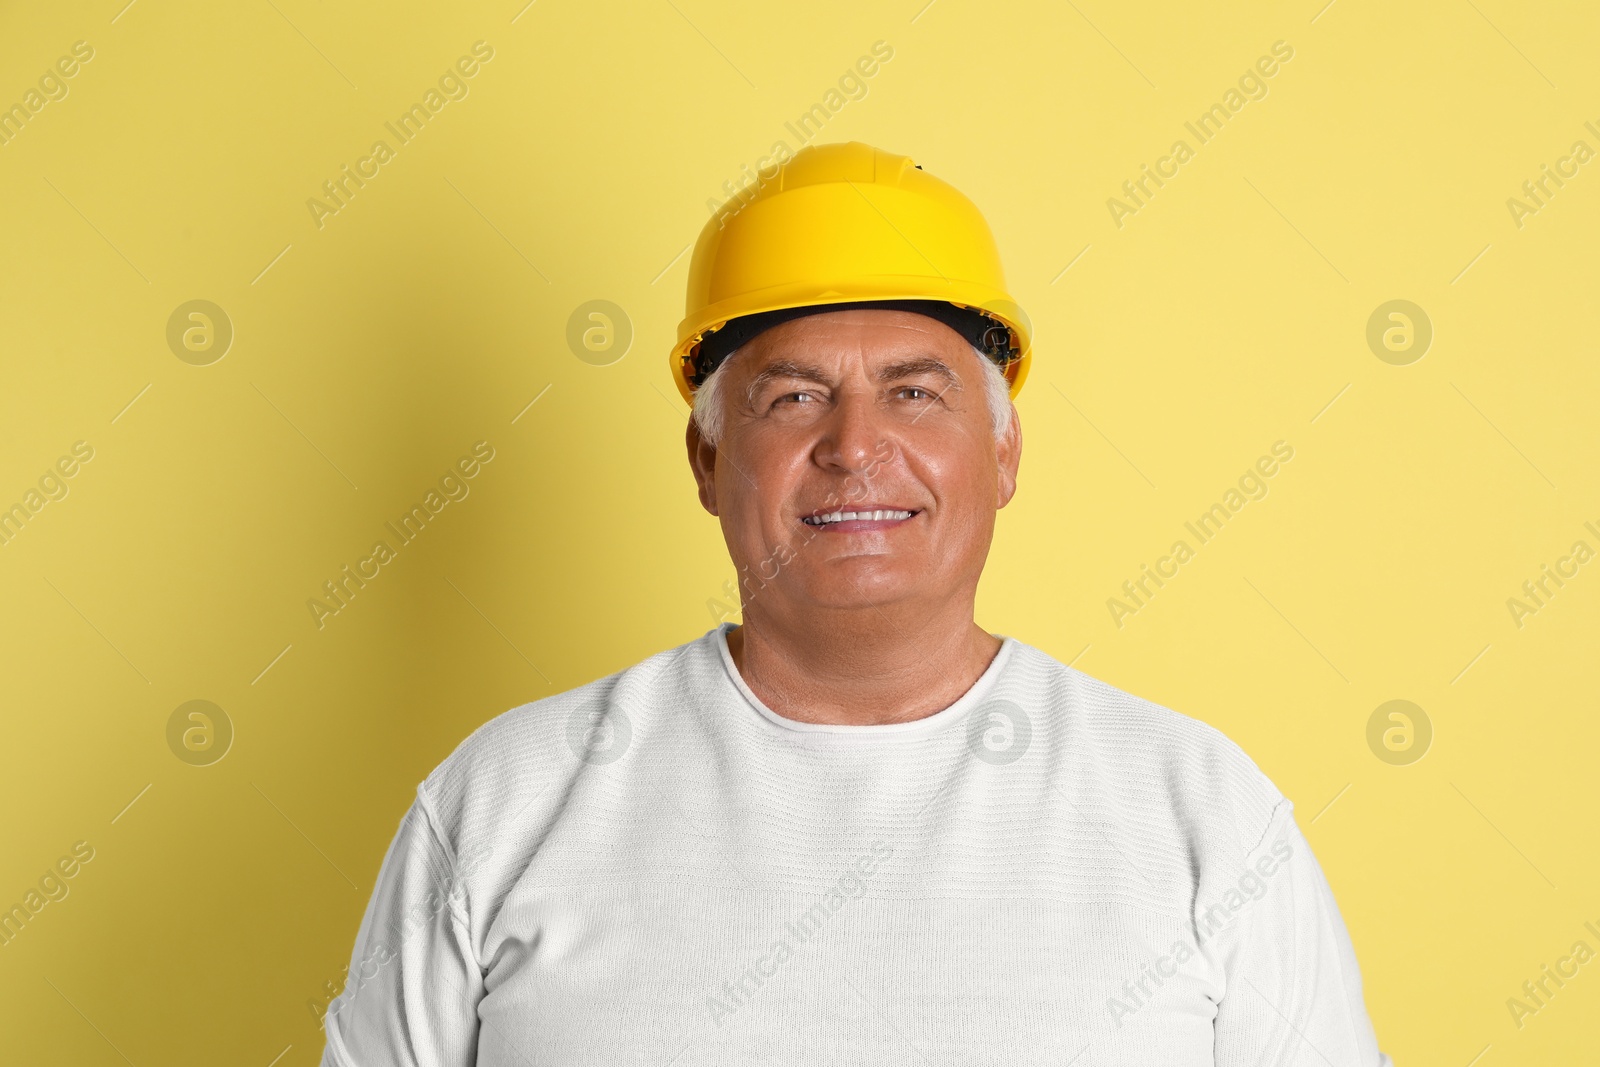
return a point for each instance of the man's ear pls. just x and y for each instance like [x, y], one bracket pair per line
[703, 464]
[1008, 451]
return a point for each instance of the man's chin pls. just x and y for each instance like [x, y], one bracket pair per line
[862, 583]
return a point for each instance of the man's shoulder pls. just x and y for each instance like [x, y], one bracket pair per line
[1119, 718]
[532, 748]
[1148, 752]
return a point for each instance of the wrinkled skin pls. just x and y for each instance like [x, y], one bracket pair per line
[857, 622]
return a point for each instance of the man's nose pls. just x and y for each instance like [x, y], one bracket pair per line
[851, 434]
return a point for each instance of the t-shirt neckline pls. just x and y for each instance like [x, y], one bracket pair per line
[915, 728]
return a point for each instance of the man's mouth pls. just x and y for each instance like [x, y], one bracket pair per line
[858, 518]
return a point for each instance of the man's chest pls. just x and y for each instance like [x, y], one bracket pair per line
[845, 971]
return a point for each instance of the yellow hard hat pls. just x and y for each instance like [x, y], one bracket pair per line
[845, 225]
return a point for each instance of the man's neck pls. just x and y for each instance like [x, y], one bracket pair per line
[864, 667]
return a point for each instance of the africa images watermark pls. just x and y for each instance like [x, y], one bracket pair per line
[852, 85]
[452, 486]
[450, 893]
[52, 86]
[452, 85]
[1579, 154]
[52, 485]
[1531, 601]
[1252, 485]
[1531, 1002]
[1252, 85]
[1250, 887]
[53, 886]
[847, 887]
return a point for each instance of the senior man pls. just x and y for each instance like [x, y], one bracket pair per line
[858, 827]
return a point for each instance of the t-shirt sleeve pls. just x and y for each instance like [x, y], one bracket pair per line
[1293, 988]
[411, 997]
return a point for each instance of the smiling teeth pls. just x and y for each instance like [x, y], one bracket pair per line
[848, 516]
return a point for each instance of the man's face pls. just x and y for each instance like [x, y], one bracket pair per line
[856, 411]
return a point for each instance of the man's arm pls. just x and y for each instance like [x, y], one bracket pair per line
[1293, 991]
[412, 993]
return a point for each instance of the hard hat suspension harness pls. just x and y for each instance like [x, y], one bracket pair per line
[988, 334]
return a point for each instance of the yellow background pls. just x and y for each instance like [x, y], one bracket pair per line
[1229, 313]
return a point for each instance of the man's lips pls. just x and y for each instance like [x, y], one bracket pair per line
[860, 518]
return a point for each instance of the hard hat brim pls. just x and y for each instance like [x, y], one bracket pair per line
[984, 332]
[991, 303]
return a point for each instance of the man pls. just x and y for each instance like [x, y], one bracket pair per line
[857, 828]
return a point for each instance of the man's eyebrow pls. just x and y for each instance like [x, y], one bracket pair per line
[921, 365]
[786, 368]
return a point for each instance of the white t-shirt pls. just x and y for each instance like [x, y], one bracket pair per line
[655, 868]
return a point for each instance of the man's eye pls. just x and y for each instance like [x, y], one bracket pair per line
[921, 393]
[800, 398]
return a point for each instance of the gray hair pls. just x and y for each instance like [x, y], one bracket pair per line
[708, 398]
